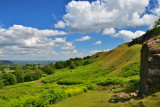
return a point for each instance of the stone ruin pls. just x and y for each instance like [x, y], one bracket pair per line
[150, 67]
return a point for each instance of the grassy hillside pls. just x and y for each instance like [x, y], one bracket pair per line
[118, 66]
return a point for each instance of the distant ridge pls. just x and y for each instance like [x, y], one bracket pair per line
[6, 62]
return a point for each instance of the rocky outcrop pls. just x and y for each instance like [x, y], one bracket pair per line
[150, 66]
[148, 35]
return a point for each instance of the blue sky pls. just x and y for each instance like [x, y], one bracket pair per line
[60, 29]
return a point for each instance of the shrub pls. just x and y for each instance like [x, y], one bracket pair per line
[113, 80]
[131, 70]
[91, 86]
[31, 76]
[9, 79]
[19, 76]
[1, 84]
[69, 82]
[59, 65]
[48, 70]
[73, 66]
[86, 63]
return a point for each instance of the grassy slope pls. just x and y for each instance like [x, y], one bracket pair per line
[120, 57]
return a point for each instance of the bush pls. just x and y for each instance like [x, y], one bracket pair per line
[113, 80]
[73, 66]
[9, 79]
[60, 65]
[86, 63]
[19, 76]
[1, 84]
[31, 76]
[69, 82]
[131, 70]
[48, 70]
[91, 86]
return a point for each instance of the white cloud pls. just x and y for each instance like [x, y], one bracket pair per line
[60, 40]
[83, 16]
[60, 24]
[67, 45]
[97, 43]
[95, 51]
[108, 31]
[128, 35]
[85, 38]
[19, 41]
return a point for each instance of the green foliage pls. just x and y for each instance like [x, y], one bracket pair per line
[70, 82]
[33, 75]
[91, 86]
[60, 65]
[157, 23]
[86, 63]
[48, 69]
[113, 80]
[72, 66]
[19, 76]
[87, 57]
[9, 79]
[131, 70]
[1, 83]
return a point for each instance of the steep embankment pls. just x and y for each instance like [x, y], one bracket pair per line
[119, 57]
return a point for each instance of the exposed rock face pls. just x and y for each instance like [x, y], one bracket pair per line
[150, 66]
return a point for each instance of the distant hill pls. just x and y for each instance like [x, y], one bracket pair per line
[6, 62]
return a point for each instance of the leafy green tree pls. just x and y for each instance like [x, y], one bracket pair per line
[86, 63]
[37, 74]
[59, 65]
[19, 76]
[28, 77]
[73, 66]
[48, 69]
[9, 79]
[33, 75]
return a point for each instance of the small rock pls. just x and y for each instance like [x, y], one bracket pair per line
[113, 101]
[133, 94]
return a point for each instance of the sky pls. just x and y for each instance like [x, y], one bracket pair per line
[61, 29]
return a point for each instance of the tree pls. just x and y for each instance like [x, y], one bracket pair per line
[48, 70]
[73, 66]
[19, 76]
[86, 63]
[157, 23]
[59, 65]
[9, 79]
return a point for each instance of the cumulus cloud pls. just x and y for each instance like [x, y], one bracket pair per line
[128, 35]
[85, 38]
[108, 31]
[60, 24]
[83, 16]
[95, 51]
[67, 45]
[97, 43]
[20, 40]
[60, 40]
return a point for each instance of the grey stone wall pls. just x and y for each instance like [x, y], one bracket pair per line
[150, 66]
